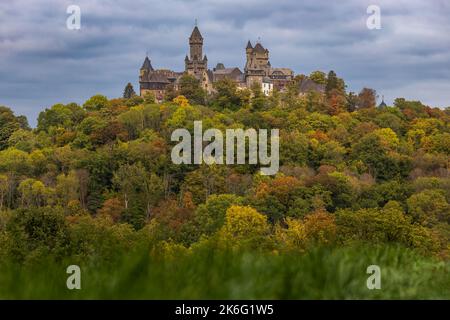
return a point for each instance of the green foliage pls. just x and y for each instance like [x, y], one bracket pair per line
[190, 87]
[322, 273]
[60, 116]
[318, 77]
[226, 96]
[92, 184]
[129, 92]
[389, 224]
[96, 103]
[429, 207]
[9, 123]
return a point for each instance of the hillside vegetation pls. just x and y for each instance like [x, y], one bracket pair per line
[95, 185]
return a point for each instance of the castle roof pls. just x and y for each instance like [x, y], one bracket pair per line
[227, 70]
[382, 104]
[219, 66]
[156, 77]
[196, 34]
[249, 45]
[259, 48]
[284, 71]
[147, 64]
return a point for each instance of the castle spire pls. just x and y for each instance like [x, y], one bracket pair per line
[249, 45]
[382, 104]
[196, 35]
[147, 64]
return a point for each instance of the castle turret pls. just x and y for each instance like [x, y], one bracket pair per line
[196, 44]
[197, 64]
[145, 69]
[257, 65]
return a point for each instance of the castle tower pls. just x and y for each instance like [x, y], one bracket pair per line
[257, 65]
[196, 44]
[145, 69]
[197, 64]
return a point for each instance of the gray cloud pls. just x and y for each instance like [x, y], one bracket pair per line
[43, 63]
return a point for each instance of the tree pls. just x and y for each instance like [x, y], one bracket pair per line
[9, 123]
[3, 189]
[318, 77]
[429, 207]
[352, 102]
[332, 82]
[244, 226]
[140, 191]
[67, 188]
[367, 98]
[149, 97]
[33, 193]
[258, 99]
[112, 208]
[190, 87]
[210, 216]
[320, 228]
[22, 139]
[385, 225]
[226, 96]
[205, 181]
[128, 92]
[382, 162]
[96, 103]
[60, 116]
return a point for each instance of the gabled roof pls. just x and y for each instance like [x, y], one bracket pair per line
[227, 70]
[147, 64]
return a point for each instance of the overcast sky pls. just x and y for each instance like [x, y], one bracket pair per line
[43, 63]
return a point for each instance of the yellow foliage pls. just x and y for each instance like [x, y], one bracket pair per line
[291, 237]
[182, 101]
[320, 227]
[244, 225]
[388, 137]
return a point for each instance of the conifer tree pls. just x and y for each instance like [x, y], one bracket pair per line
[129, 91]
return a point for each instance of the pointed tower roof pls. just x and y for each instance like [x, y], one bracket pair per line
[382, 104]
[249, 45]
[147, 64]
[196, 34]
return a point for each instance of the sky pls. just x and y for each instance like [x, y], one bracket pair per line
[42, 62]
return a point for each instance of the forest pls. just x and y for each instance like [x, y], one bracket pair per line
[358, 184]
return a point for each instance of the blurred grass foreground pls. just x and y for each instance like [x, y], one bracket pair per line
[174, 272]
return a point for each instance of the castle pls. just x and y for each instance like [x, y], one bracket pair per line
[257, 71]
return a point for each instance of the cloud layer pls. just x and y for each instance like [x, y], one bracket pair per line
[43, 63]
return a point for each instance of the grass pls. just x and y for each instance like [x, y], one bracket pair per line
[322, 273]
